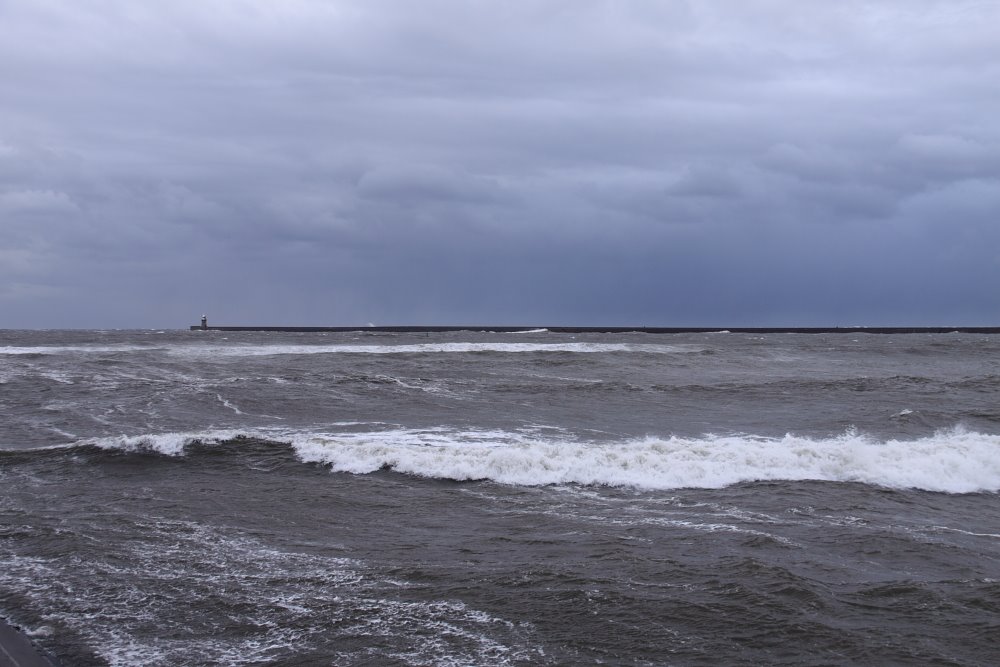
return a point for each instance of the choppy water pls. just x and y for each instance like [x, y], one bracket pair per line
[172, 498]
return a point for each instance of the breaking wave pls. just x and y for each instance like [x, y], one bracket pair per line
[430, 348]
[952, 461]
[73, 349]
[347, 348]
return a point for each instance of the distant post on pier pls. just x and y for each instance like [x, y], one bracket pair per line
[204, 322]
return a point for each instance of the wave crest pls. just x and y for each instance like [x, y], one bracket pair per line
[954, 461]
[201, 351]
[169, 444]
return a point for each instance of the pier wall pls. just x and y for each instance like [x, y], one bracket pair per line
[574, 330]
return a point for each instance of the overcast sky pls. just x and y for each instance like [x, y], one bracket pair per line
[643, 162]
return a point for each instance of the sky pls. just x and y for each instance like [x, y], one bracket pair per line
[556, 162]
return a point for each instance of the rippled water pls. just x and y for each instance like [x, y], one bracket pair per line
[472, 498]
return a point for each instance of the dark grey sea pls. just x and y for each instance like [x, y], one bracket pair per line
[211, 498]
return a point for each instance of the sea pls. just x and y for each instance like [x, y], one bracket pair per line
[486, 498]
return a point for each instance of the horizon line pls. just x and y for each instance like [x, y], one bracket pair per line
[601, 329]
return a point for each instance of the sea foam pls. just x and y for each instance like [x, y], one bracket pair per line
[431, 348]
[212, 351]
[170, 444]
[953, 461]
[73, 349]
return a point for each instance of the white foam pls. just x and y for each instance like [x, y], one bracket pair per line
[954, 461]
[430, 348]
[229, 404]
[210, 350]
[63, 349]
[130, 610]
[170, 444]
[964, 532]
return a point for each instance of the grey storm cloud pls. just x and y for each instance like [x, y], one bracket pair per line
[456, 161]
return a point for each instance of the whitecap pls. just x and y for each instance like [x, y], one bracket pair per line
[951, 461]
[954, 461]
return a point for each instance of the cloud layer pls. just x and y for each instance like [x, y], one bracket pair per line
[654, 162]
